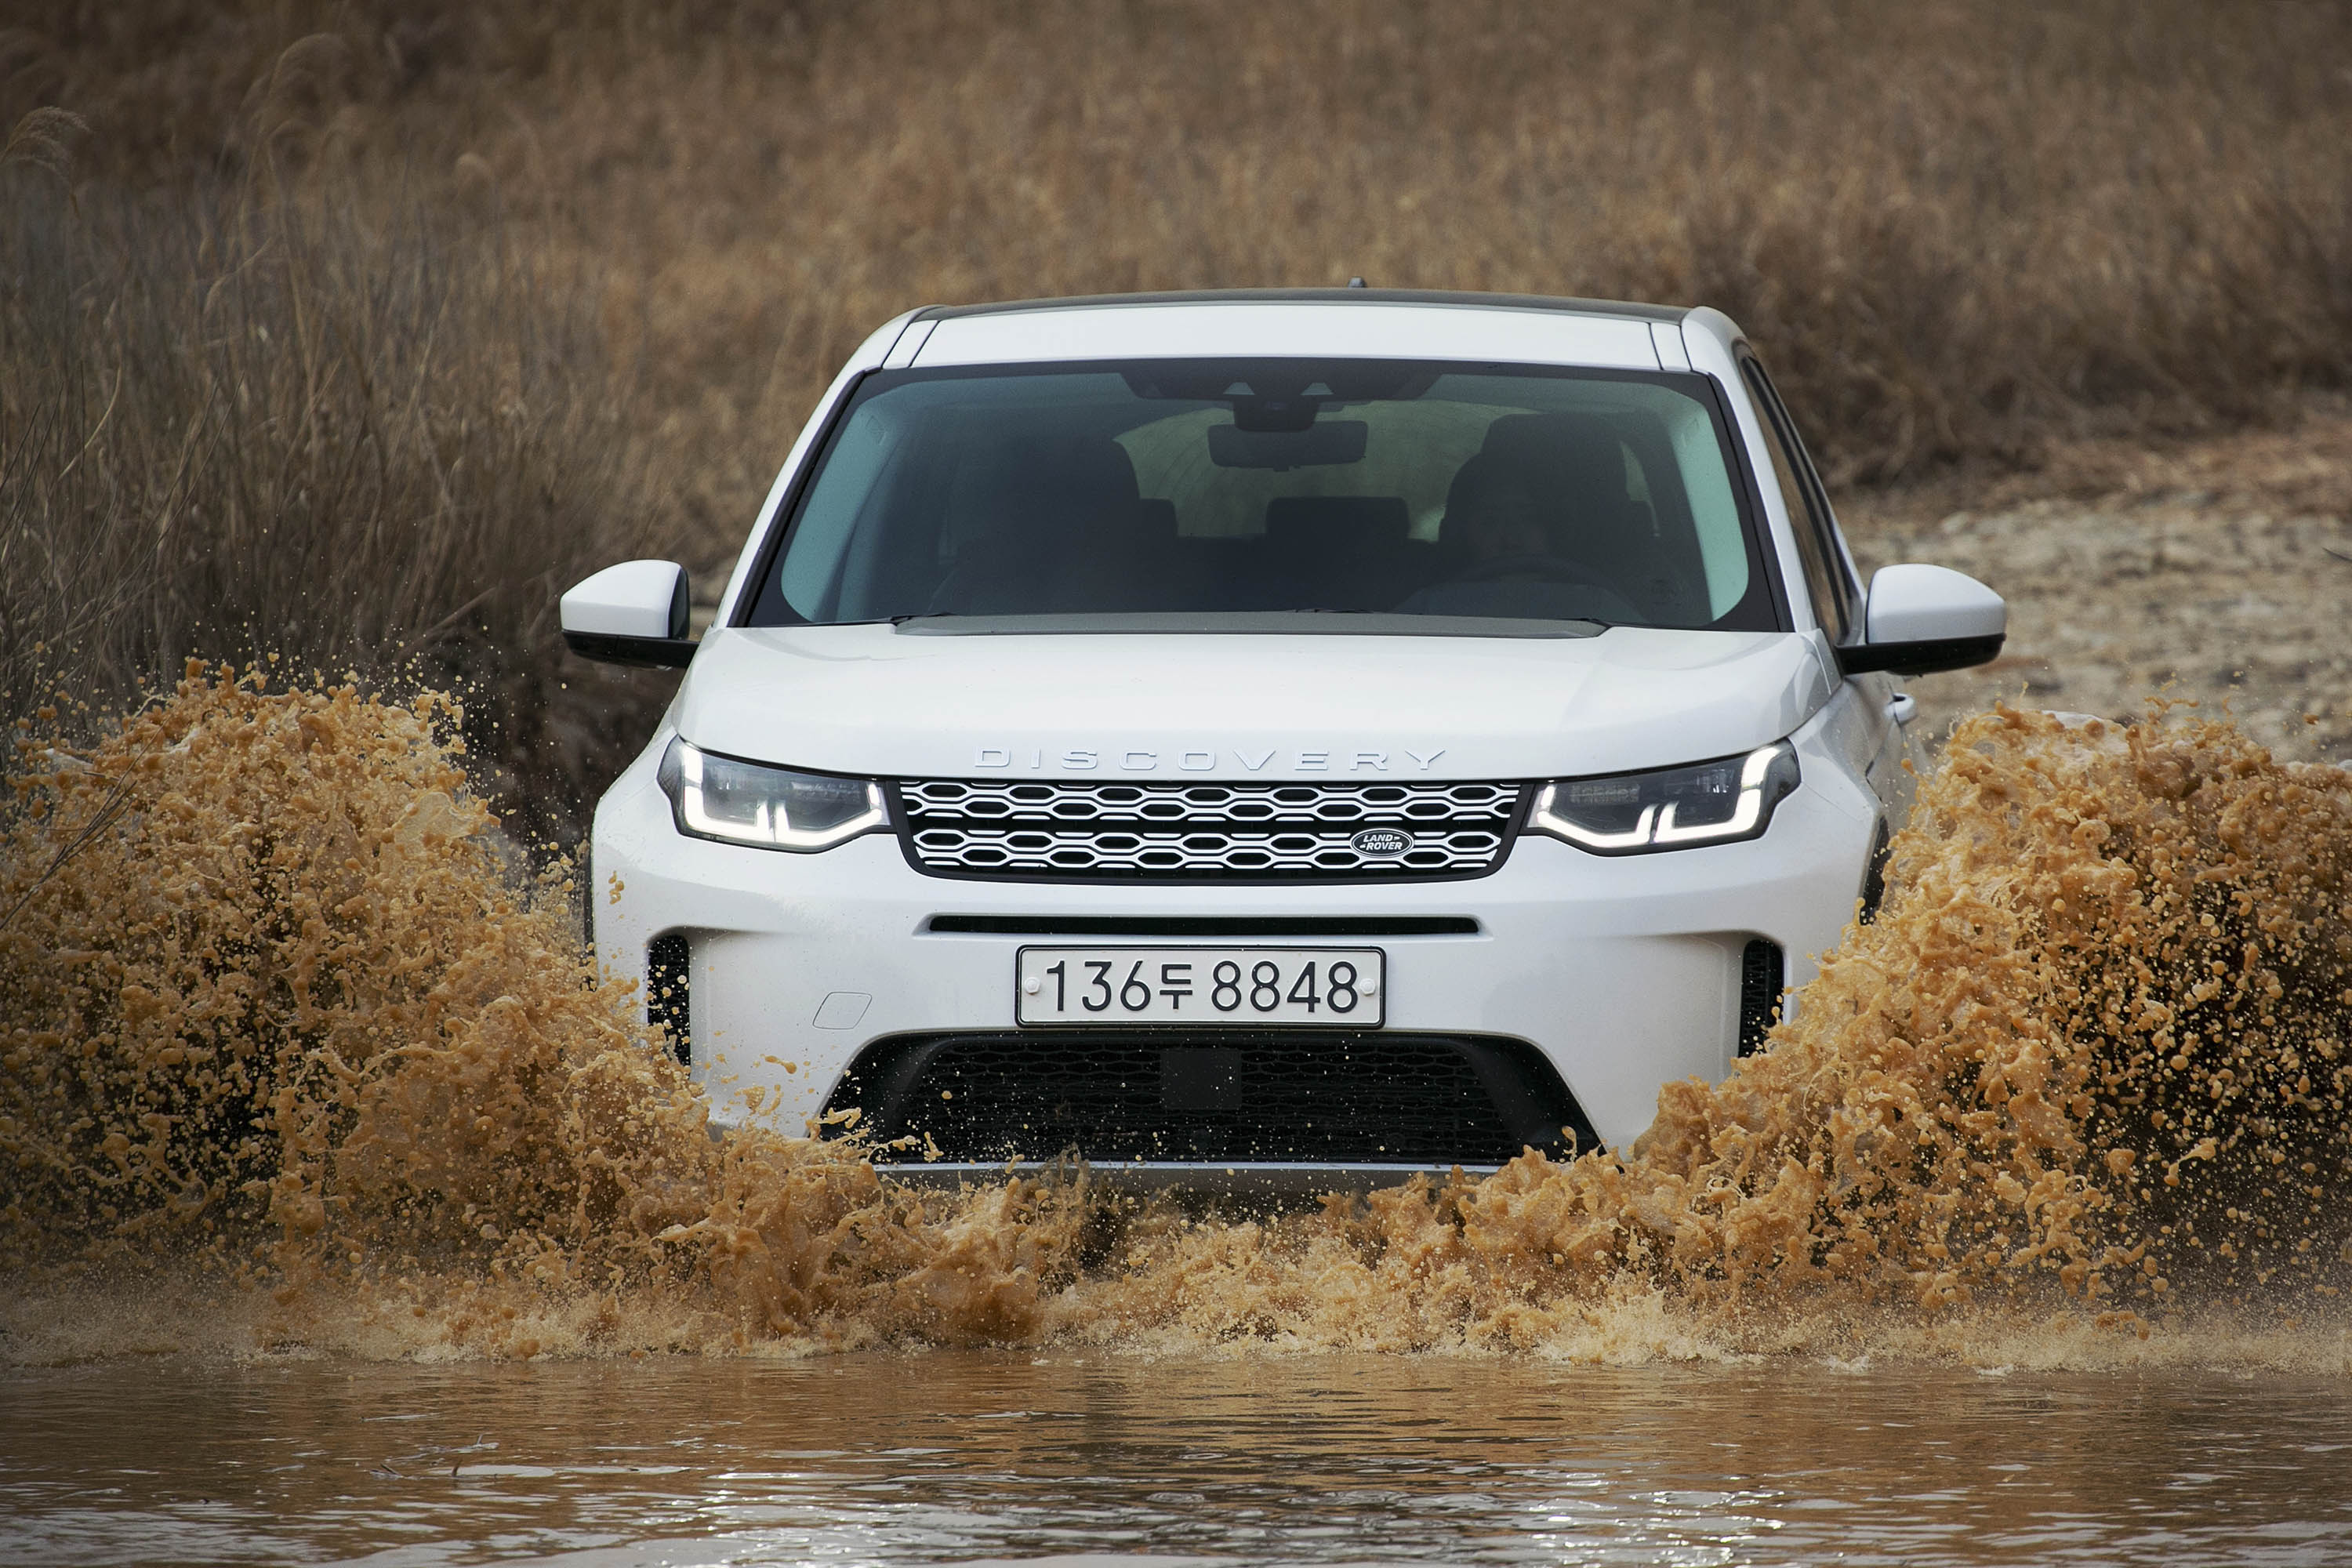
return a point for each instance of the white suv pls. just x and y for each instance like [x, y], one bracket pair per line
[1277, 739]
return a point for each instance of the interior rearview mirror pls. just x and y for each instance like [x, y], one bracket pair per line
[1328, 443]
[1919, 619]
[634, 614]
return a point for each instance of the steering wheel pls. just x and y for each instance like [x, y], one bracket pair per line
[1606, 601]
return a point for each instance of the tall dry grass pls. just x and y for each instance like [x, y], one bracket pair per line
[281, 424]
[1958, 225]
[1960, 228]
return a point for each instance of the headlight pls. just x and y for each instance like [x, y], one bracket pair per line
[774, 808]
[1673, 809]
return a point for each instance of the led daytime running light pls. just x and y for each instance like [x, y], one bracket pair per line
[1634, 837]
[1656, 827]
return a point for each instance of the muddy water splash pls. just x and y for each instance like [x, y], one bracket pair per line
[291, 1050]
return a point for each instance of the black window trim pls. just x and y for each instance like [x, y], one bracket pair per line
[784, 521]
[1809, 473]
[1822, 517]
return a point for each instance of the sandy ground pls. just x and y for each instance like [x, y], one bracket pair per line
[2219, 572]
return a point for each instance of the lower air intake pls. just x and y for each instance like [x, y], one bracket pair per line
[1307, 1098]
[1761, 969]
[668, 959]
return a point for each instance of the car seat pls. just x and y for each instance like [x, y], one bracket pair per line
[1577, 461]
[1059, 527]
[1337, 553]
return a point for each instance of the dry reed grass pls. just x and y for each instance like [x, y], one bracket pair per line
[287, 426]
[1960, 228]
[1957, 224]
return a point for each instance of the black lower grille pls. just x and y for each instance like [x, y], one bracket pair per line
[668, 959]
[1874, 878]
[1761, 968]
[1305, 1097]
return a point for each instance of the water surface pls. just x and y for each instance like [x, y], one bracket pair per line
[958, 1456]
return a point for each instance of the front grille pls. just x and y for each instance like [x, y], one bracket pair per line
[1247, 831]
[1302, 1097]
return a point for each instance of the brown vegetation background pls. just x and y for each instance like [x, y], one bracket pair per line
[355, 332]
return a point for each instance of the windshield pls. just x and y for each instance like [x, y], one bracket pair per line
[1269, 488]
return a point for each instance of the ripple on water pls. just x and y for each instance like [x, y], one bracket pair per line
[1120, 1457]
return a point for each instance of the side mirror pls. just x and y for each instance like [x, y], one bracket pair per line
[633, 613]
[1920, 619]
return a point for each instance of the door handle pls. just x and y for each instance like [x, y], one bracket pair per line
[1902, 707]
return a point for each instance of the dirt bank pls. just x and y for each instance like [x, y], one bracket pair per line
[2216, 571]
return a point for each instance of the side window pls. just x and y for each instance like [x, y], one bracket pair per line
[1836, 597]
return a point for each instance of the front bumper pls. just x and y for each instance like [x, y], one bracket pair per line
[1623, 972]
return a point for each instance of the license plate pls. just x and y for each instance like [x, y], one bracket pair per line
[1217, 986]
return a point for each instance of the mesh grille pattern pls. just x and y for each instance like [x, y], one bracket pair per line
[1304, 1097]
[1263, 831]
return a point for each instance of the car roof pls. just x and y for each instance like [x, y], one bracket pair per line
[1285, 323]
[1349, 296]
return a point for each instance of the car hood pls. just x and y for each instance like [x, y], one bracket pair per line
[873, 699]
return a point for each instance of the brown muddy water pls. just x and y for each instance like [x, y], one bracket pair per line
[953, 1457]
[346, 1214]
